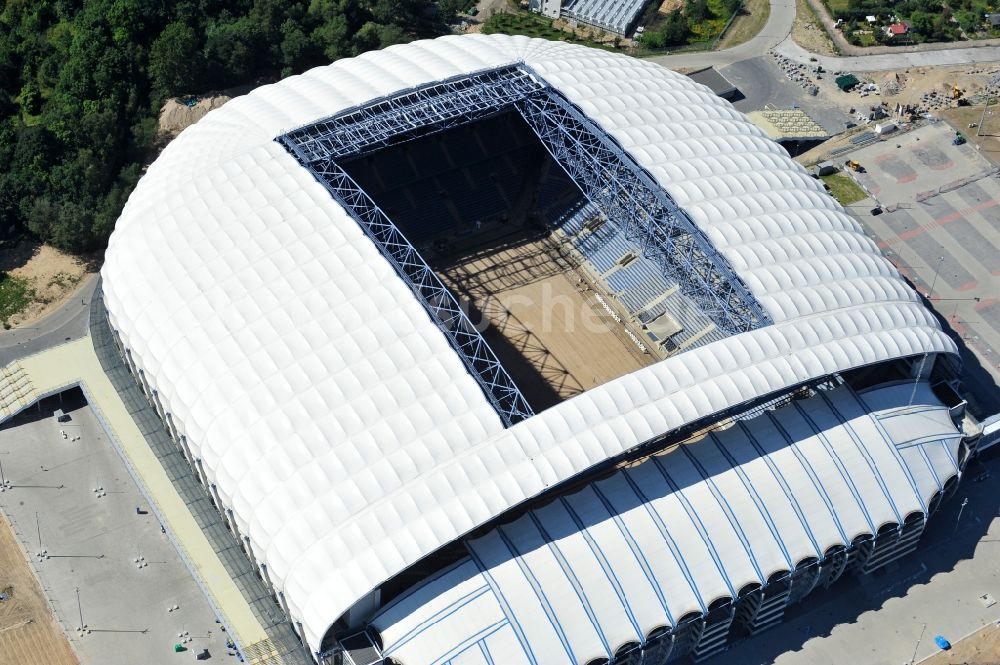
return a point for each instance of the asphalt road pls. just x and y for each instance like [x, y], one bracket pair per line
[776, 35]
[67, 323]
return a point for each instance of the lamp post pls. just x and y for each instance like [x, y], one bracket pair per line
[937, 270]
[961, 507]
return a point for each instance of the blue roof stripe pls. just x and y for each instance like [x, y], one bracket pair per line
[504, 605]
[698, 524]
[780, 479]
[485, 650]
[608, 569]
[667, 538]
[923, 441]
[637, 552]
[895, 450]
[863, 449]
[539, 593]
[727, 509]
[906, 411]
[470, 642]
[574, 581]
[930, 467]
[752, 491]
[838, 464]
[441, 615]
[433, 578]
[811, 472]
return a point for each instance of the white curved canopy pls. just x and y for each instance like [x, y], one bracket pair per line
[333, 416]
[580, 577]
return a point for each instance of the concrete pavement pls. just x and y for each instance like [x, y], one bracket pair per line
[887, 61]
[93, 537]
[76, 363]
[777, 35]
[776, 30]
[65, 324]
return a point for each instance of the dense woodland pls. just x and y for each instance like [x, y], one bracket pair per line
[83, 80]
[698, 21]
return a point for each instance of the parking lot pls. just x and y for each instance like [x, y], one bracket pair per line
[941, 228]
[88, 533]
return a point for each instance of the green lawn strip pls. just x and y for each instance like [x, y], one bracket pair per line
[844, 189]
[533, 25]
[747, 26]
[15, 294]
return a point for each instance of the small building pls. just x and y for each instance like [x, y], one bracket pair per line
[719, 84]
[993, 20]
[825, 168]
[550, 8]
[871, 19]
[847, 82]
[794, 129]
[885, 128]
[897, 29]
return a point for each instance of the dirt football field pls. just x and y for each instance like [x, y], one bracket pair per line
[29, 633]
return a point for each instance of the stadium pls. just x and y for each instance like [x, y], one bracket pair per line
[499, 350]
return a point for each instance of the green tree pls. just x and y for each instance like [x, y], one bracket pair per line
[175, 64]
[697, 11]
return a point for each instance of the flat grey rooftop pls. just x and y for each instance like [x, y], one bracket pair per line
[93, 538]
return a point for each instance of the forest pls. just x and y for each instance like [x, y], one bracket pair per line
[83, 81]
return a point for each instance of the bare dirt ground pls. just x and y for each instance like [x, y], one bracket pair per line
[808, 33]
[915, 82]
[175, 116]
[980, 648]
[914, 87]
[988, 139]
[545, 322]
[53, 275]
[29, 634]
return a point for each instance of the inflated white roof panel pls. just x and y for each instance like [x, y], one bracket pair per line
[333, 416]
[588, 573]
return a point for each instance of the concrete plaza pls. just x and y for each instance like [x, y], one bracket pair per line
[72, 498]
[941, 228]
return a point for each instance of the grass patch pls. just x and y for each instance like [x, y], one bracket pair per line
[64, 280]
[865, 39]
[837, 6]
[533, 25]
[747, 24]
[710, 28]
[15, 294]
[844, 189]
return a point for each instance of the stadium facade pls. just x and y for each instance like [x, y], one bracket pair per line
[305, 285]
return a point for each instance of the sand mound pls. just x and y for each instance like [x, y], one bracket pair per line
[175, 115]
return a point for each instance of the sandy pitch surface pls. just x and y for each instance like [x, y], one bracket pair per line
[29, 634]
[545, 321]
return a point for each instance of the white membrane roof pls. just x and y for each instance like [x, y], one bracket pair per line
[332, 415]
[576, 579]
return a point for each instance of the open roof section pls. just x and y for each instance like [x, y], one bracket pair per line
[627, 195]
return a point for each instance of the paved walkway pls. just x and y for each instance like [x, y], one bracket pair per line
[76, 363]
[67, 322]
[887, 61]
[777, 35]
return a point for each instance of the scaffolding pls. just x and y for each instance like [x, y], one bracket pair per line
[607, 175]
